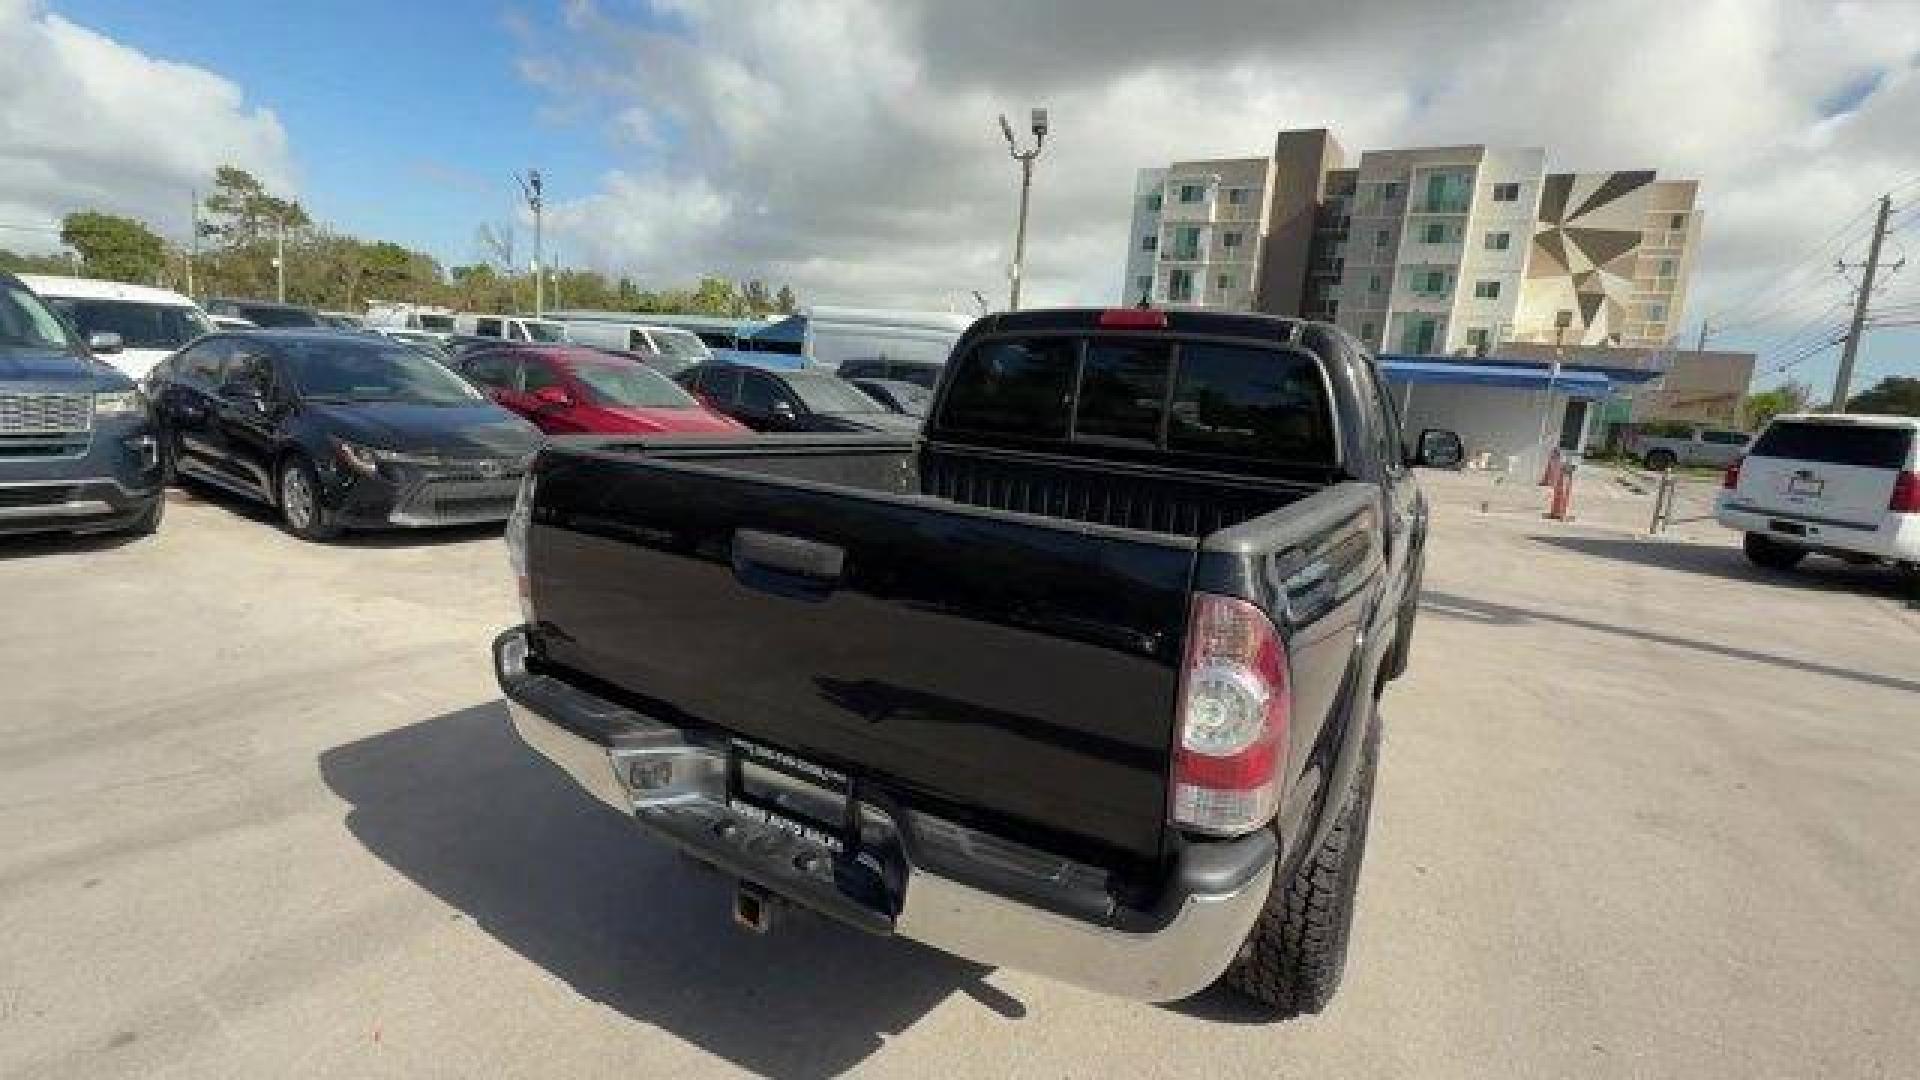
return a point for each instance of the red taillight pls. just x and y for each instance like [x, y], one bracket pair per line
[1906, 493]
[1134, 318]
[1731, 480]
[1235, 703]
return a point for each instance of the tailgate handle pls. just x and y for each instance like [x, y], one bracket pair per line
[786, 564]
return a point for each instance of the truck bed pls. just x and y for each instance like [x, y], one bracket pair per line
[989, 634]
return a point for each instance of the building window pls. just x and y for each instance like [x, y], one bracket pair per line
[1486, 290]
[1506, 193]
[1667, 267]
[1428, 282]
[1477, 339]
[1498, 241]
[1238, 196]
[1229, 240]
[1186, 242]
[1149, 242]
[1381, 238]
[1223, 282]
[1192, 193]
[1366, 331]
[1389, 192]
[1143, 285]
[1154, 202]
[1678, 221]
[1373, 283]
[1179, 286]
[1656, 313]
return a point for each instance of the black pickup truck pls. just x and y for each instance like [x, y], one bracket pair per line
[1081, 680]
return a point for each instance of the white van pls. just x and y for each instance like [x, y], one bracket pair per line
[422, 317]
[1841, 484]
[839, 336]
[640, 338]
[151, 324]
[510, 327]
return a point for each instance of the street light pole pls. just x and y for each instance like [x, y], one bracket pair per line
[280, 259]
[1026, 159]
[530, 187]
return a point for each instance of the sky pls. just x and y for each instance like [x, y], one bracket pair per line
[849, 147]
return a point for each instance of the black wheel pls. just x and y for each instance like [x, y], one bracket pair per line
[1293, 960]
[302, 509]
[1659, 460]
[149, 523]
[1771, 554]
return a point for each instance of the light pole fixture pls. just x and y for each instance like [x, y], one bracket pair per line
[1026, 159]
[530, 188]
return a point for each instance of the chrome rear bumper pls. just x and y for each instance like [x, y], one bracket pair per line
[932, 880]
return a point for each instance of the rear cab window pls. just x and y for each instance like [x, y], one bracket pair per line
[1862, 445]
[1237, 407]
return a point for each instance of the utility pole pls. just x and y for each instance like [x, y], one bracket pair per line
[1026, 159]
[1700, 344]
[1843, 380]
[193, 242]
[280, 258]
[530, 187]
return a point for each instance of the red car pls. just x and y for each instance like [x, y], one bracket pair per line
[570, 390]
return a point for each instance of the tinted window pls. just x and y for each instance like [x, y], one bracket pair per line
[537, 374]
[1018, 388]
[25, 322]
[721, 384]
[140, 326]
[757, 392]
[496, 371]
[201, 363]
[831, 394]
[678, 343]
[1242, 402]
[372, 369]
[1837, 444]
[630, 385]
[1723, 438]
[1123, 388]
[487, 327]
[543, 331]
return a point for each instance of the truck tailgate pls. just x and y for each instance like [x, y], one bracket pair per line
[1009, 669]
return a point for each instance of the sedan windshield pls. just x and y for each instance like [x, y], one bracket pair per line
[140, 326]
[630, 386]
[25, 322]
[828, 394]
[354, 369]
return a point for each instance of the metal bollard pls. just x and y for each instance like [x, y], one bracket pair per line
[1550, 474]
[1662, 505]
[1562, 506]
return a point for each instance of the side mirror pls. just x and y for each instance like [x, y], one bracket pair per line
[555, 396]
[241, 390]
[104, 344]
[783, 412]
[1439, 449]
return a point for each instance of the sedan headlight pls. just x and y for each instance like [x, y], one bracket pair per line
[361, 459]
[119, 403]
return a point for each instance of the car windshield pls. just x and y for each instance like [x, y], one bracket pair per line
[140, 325]
[630, 386]
[439, 324]
[828, 394]
[545, 331]
[678, 343]
[269, 315]
[25, 322]
[353, 369]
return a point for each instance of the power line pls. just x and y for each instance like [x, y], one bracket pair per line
[1815, 260]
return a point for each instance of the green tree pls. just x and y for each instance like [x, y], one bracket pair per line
[244, 219]
[1789, 397]
[15, 263]
[715, 296]
[1892, 395]
[786, 301]
[114, 247]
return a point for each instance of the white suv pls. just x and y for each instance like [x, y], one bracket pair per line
[1842, 485]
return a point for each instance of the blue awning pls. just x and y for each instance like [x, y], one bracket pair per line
[1576, 384]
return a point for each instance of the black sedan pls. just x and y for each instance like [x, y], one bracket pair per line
[337, 430]
[781, 400]
[901, 397]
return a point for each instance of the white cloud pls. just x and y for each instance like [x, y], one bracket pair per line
[87, 123]
[849, 146]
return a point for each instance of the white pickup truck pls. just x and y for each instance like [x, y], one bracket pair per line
[1714, 448]
[1843, 485]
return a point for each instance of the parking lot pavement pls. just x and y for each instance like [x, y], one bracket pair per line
[1643, 811]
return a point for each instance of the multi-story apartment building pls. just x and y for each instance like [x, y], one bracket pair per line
[1425, 250]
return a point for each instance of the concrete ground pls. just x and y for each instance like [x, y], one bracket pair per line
[1643, 811]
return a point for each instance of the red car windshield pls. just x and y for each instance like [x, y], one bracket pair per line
[630, 386]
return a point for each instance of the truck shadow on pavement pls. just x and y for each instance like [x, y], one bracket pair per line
[461, 807]
[1451, 606]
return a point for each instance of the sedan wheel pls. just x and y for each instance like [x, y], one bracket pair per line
[300, 506]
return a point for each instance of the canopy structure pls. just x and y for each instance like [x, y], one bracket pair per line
[1581, 385]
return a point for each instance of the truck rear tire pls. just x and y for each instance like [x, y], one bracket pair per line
[1770, 554]
[1297, 952]
[1659, 460]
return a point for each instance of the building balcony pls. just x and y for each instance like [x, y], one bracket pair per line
[1451, 205]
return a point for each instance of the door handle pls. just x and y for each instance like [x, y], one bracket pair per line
[786, 565]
